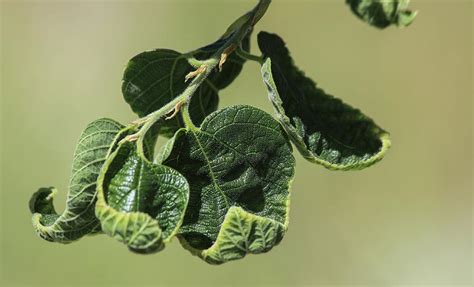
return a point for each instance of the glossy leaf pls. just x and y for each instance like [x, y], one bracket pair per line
[239, 166]
[324, 129]
[78, 219]
[383, 13]
[140, 203]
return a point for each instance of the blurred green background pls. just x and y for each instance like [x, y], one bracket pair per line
[406, 221]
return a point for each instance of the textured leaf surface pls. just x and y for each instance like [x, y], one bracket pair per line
[241, 233]
[383, 13]
[140, 203]
[239, 166]
[323, 128]
[78, 219]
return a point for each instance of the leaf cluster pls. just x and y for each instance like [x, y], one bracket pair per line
[221, 183]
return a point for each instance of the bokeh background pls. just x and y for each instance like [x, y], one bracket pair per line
[406, 221]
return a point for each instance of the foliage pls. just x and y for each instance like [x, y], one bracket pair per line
[221, 183]
[383, 13]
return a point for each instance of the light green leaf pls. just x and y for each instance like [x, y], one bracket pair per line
[239, 166]
[165, 150]
[140, 203]
[324, 129]
[78, 219]
[383, 13]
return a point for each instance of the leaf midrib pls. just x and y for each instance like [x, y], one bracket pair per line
[211, 172]
[213, 177]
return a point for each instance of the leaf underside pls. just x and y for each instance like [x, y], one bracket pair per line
[78, 219]
[383, 13]
[239, 166]
[324, 129]
[140, 203]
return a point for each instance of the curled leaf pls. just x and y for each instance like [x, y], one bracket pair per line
[383, 13]
[324, 129]
[241, 232]
[78, 219]
[239, 166]
[139, 203]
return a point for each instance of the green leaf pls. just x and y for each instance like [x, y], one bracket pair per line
[383, 13]
[165, 150]
[324, 129]
[152, 79]
[239, 166]
[78, 219]
[139, 203]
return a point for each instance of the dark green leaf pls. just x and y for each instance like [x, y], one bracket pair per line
[78, 219]
[152, 79]
[323, 128]
[383, 13]
[239, 166]
[140, 203]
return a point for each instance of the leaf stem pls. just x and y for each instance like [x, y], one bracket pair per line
[185, 97]
[188, 123]
[248, 56]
